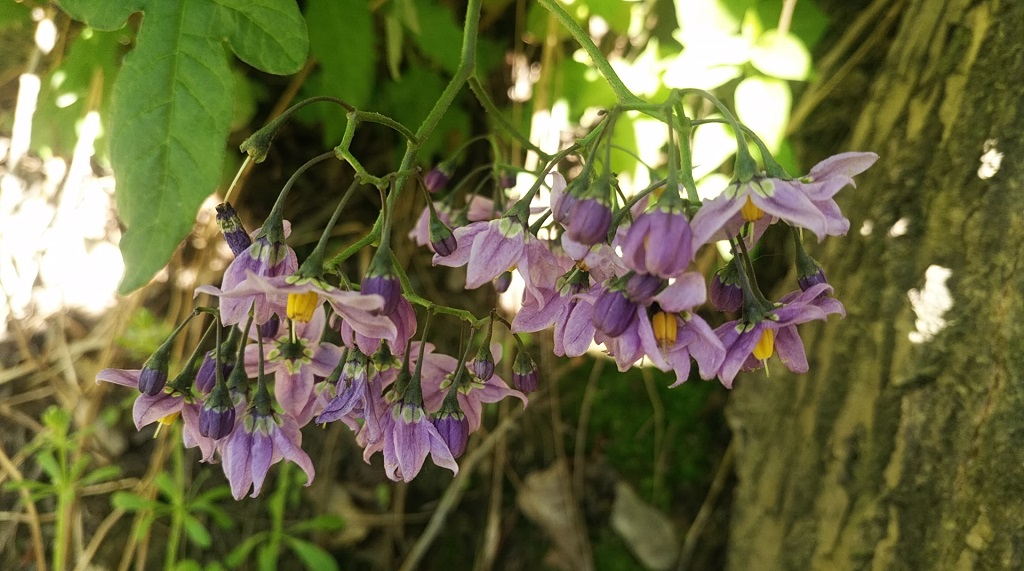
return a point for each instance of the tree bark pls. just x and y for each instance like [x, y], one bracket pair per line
[902, 447]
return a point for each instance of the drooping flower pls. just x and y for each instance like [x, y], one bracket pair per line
[805, 202]
[296, 357]
[257, 443]
[409, 436]
[659, 241]
[164, 407]
[749, 345]
[440, 375]
[267, 257]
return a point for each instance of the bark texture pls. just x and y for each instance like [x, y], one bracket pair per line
[895, 453]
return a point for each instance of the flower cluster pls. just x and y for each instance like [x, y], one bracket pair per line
[305, 345]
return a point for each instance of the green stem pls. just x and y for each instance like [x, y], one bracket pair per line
[501, 121]
[745, 165]
[622, 93]
[273, 223]
[374, 117]
[177, 511]
[314, 264]
[410, 294]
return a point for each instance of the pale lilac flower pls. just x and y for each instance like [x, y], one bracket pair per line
[659, 242]
[479, 208]
[258, 442]
[806, 202]
[356, 309]
[404, 319]
[438, 374]
[749, 345]
[671, 333]
[359, 396]
[296, 357]
[266, 258]
[568, 308]
[164, 407]
[408, 437]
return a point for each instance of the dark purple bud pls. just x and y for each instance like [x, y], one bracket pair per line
[454, 430]
[725, 297]
[231, 226]
[807, 282]
[613, 312]
[642, 287]
[726, 294]
[382, 280]
[217, 417]
[438, 177]
[483, 365]
[442, 240]
[589, 221]
[502, 282]
[153, 377]
[525, 376]
[269, 329]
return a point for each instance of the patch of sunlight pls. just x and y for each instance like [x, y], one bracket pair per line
[930, 304]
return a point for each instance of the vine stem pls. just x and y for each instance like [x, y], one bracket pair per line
[622, 93]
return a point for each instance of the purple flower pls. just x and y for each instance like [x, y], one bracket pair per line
[749, 345]
[359, 397]
[404, 319]
[409, 437]
[453, 428]
[439, 375]
[217, 417]
[570, 309]
[659, 242]
[671, 333]
[258, 442]
[442, 240]
[525, 374]
[265, 258]
[479, 208]
[304, 295]
[164, 407]
[296, 358]
[487, 249]
[806, 202]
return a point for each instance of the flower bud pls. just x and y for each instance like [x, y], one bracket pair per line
[381, 279]
[231, 226]
[589, 221]
[269, 329]
[217, 417]
[726, 294]
[502, 282]
[153, 377]
[452, 424]
[442, 240]
[613, 312]
[524, 373]
[809, 272]
[483, 364]
[640, 288]
[507, 180]
[438, 177]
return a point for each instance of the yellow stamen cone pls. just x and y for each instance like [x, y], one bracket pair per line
[665, 328]
[751, 212]
[765, 346]
[302, 305]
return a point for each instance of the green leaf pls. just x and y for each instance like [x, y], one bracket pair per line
[319, 523]
[130, 502]
[170, 114]
[188, 565]
[314, 556]
[49, 465]
[781, 56]
[266, 558]
[341, 38]
[197, 532]
[102, 14]
[267, 34]
[763, 104]
[241, 553]
[101, 475]
[394, 40]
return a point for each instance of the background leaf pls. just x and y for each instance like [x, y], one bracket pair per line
[102, 14]
[267, 34]
[170, 114]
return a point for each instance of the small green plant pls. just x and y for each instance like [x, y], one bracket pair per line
[270, 542]
[60, 453]
[184, 508]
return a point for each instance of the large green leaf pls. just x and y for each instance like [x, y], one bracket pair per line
[172, 105]
[267, 34]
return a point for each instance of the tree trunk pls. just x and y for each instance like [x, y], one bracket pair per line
[903, 447]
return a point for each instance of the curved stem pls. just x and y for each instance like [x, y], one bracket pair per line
[622, 93]
[500, 119]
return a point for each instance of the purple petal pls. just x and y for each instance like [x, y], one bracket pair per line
[149, 409]
[713, 216]
[412, 443]
[494, 251]
[791, 205]
[288, 440]
[791, 349]
[578, 332]
[687, 292]
[439, 451]
[262, 454]
[124, 377]
[293, 390]
[237, 456]
[465, 237]
[835, 172]
[703, 345]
